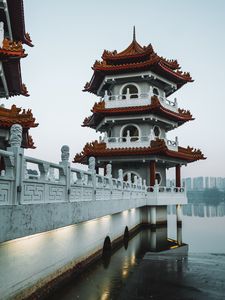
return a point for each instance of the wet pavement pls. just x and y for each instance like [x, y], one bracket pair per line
[162, 276]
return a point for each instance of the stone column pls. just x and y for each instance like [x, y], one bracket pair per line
[179, 235]
[178, 176]
[153, 216]
[179, 214]
[152, 172]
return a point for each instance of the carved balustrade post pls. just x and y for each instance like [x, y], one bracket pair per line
[145, 187]
[144, 183]
[139, 182]
[65, 172]
[109, 175]
[135, 181]
[129, 181]
[106, 97]
[156, 188]
[129, 177]
[109, 170]
[15, 141]
[92, 169]
[120, 177]
[43, 168]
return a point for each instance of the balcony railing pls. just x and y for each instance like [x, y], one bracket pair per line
[129, 141]
[137, 141]
[140, 99]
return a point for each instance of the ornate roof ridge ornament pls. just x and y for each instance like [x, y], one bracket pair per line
[134, 34]
[10, 116]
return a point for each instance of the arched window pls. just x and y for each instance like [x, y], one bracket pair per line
[132, 89]
[132, 132]
[156, 131]
[155, 91]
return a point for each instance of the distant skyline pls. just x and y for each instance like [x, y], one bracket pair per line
[70, 36]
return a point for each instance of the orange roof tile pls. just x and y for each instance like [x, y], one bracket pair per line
[11, 48]
[16, 115]
[135, 58]
[99, 112]
[157, 147]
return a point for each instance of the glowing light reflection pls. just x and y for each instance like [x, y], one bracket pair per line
[105, 295]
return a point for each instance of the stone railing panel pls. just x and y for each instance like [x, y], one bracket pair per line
[5, 192]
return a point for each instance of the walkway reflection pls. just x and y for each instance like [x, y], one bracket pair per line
[106, 278]
[200, 210]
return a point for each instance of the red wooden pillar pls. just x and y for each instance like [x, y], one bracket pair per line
[152, 172]
[178, 177]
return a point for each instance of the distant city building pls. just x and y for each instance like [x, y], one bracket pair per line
[201, 183]
[188, 183]
[220, 183]
[206, 182]
[198, 183]
[212, 181]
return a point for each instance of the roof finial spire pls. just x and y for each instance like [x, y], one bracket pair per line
[134, 34]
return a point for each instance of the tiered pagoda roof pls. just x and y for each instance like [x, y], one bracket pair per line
[99, 112]
[11, 51]
[16, 115]
[157, 147]
[16, 14]
[135, 58]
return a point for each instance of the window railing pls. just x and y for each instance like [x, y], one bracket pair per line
[137, 141]
[137, 99]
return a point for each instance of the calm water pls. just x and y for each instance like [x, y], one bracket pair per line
[203, 230]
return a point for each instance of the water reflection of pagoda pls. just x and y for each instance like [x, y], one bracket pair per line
[135, 115]
[12, 38]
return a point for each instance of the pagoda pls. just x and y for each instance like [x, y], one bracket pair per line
[134, 115]
[12, 38]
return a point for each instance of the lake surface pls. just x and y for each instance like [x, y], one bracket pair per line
[123, 276]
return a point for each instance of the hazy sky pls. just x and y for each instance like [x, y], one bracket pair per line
[70, 35]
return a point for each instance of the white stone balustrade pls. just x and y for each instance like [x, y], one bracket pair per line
[128, 141]
[140, 99]
[161, 195]
[136, 141]
[61, 183]
[172, 145]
